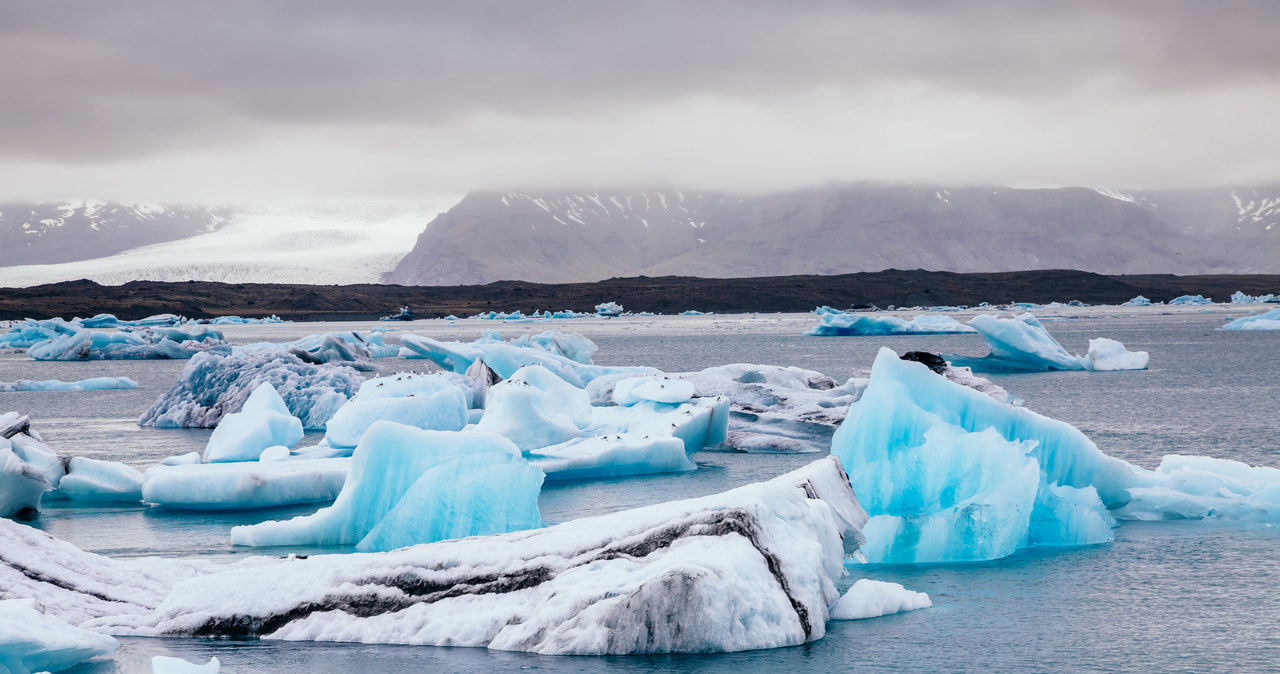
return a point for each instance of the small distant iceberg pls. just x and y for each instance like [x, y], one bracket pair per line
[609, 309]
[1267, 321]
[1239, 297]
[157, 342]
[1023, 344]
[1189, 300]
[1138, 301]
[874, 598]
[841, 323]
[91, 384]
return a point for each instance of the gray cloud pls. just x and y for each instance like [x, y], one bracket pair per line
[246, 99]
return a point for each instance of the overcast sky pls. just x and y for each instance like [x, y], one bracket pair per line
[237, 102]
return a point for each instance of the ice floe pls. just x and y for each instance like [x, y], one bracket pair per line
[841, 323]
[1023, 343]
[874, 598]
[91, 384]
[1267, 321]
[245, 485]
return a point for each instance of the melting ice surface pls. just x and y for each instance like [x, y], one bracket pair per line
[1023, 343]
[949, 474]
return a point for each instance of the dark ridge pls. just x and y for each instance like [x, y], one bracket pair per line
[666, 294]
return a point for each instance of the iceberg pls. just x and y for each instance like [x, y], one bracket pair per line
[1239, 297]
[841, 323]
[238, 320]
[158, 343]
[950, 474]
[350, 348]
[504, 358]
[436, 401]
[96, 481]
[213, 385]
[1023, 343]
[91, 384]
[28, 468]
[163, 664]
[100, 321]
[1184, 300]
[1138, 301]
[31, 641]
[30, 332]
[755, 567]
[632, 390]
[874, 598]
[408, 486]
[245, 485]
[263, 421]
[1267, 321]
[609, 309]
[1199, 487]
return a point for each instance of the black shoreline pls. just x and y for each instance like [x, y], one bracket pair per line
[667, 294]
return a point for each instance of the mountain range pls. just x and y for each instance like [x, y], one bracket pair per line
[563, 237]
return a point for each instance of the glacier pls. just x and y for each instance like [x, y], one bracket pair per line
[214, 384]
[750, 568]
[1022, 343]
[949, 474]
[91, 384]
[31, 641]
[263, 421]
[833, 322]
[1268, 321]
[407, 485]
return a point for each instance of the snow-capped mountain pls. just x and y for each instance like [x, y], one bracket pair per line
[592, 235]
[302, 245]
[52, 232]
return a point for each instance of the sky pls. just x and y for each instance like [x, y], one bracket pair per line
[318, 101]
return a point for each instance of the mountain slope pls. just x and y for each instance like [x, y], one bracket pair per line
[558, 238]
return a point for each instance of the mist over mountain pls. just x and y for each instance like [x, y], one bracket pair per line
[588, 236]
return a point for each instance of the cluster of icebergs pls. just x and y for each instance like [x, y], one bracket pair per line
[433, 480]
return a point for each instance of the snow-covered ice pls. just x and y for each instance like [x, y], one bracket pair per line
[213, 385]
[95, 481]
[263, 421]
[436, 401]
[874, 598]
[245, 485]
[31, 641]
[164, 664]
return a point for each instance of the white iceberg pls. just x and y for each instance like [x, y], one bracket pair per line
[840, 323]
[213, 385]
[754, 567]
[91, 384]
[1199, 487]
[245, 485]
[1267, 321]
[263, 421]
[1239, 297]
[1185, 300]
[874, 598]
[436, 401]
[95, 481]
[31, 641]
[407, 485]
[28, 468]
[1023, 343]
[163, 664]
[609, 309]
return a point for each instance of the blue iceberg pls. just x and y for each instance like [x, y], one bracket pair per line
[91, 384]
[263, 421]
[1267, 321]
[428, 401]
[1187, 300]
[1138, 301]
[31, 641]
[409, 486]
[1023, 344]
[840, 323]
[245, 485]
[1239, 297]
[141, 344]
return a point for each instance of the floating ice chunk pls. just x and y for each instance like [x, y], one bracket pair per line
[1267, 321]
[613, 456]
[140, 344]
[1184, 300]
[874, 598]
[1240, 298]
[575, 347]
[352, 348]
[431, 402]
[158, 320]
[101, 321]
[163, 664]
[839, 323]
[1138, 301]
[1023, 343]
[609, 309]
[755, 567]
[31, 641]
[245, 485]
[505, 358]
[263, 421]
[627, 392]
[95, 481]
[91, 384]
[212, 385]
[182, 459]
[190, 333]
[21, 485]
[527, 416]
[1197, 487]
[951, 474]
[386, 467]
[31, 332]
[559, 395]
